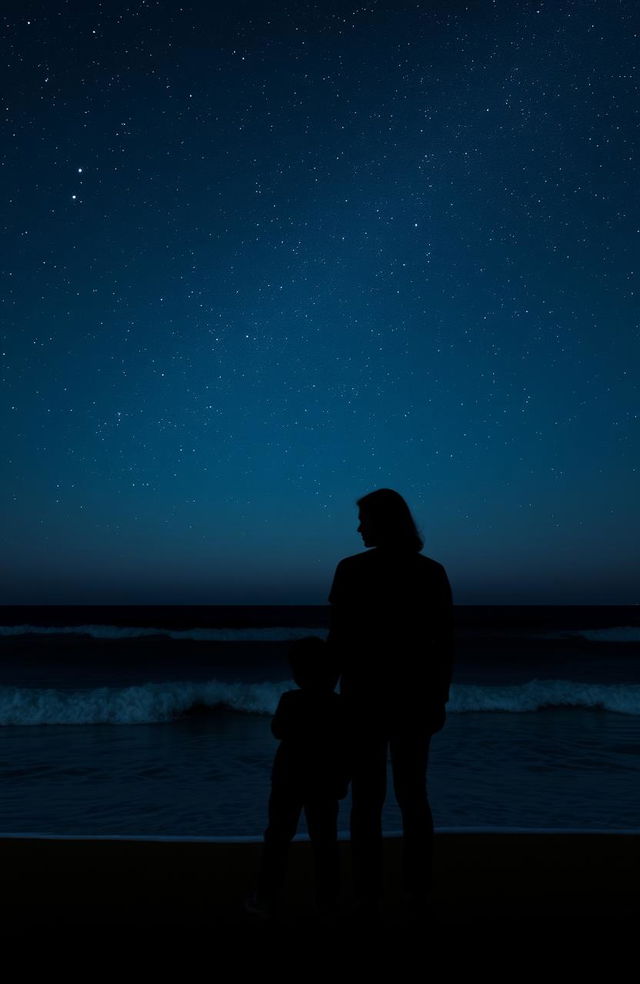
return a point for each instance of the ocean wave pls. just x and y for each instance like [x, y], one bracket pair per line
[622, 633]
[282, 633]
[149, 703]
[617, 633]
[286, 633]
[163, 702]
[537, 695]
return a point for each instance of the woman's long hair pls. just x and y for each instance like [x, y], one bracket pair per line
[391, 520]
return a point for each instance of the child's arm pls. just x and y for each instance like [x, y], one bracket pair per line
[282, 720]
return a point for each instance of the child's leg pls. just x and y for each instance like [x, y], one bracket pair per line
[322, 823]
[284, 813]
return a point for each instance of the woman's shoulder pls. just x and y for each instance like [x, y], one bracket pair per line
[376, 567]
[356, 560]
[428, 563]
[377, 555]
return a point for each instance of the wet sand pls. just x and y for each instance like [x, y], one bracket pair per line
[493, 882]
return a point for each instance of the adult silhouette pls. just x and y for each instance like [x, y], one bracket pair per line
[391, 632]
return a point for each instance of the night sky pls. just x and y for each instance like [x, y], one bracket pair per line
[260, 259]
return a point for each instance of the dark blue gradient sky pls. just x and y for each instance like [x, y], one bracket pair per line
[261, 261]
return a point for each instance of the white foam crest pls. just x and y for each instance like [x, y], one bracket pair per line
[280, 633]
[161, 702]
[146, 704]
[538, 694]
[621, 633]
[284, 633]
[616, 633]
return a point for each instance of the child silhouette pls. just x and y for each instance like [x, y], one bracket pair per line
[310, 773]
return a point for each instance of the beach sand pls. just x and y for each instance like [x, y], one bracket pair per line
[504, 883]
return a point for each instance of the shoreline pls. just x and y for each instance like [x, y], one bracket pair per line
[586, 877]
[343, 835]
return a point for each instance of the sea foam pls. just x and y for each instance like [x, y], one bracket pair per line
[616, 633]
[164, 702]
[282, 633]
[146, 704]
[118, 632]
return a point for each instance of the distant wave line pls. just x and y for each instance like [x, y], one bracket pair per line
[618, 633]
[285, 633]
[282, 633]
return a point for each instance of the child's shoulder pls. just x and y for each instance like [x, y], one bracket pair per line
[310, 699]
[289, 697]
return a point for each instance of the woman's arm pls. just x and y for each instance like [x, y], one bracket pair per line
[443, 634]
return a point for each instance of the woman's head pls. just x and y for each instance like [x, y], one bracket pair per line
[386, 521]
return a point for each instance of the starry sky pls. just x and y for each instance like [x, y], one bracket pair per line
[262, 258]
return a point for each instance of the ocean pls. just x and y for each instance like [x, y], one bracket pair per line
[155, 722]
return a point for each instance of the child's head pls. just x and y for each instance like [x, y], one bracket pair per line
[311, 664]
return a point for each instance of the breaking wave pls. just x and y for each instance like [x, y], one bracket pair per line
[164, 702]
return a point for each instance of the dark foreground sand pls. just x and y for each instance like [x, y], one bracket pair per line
[502, 884]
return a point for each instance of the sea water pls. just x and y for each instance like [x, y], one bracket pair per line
[156, 722]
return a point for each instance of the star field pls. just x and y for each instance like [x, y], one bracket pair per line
[262, 260]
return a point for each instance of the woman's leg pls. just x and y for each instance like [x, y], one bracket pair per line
[368, 790]
[409, 758]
